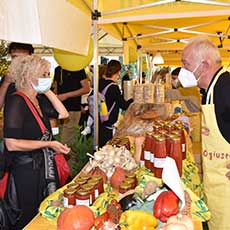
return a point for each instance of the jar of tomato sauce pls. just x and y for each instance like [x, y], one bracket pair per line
[131, 182]
[160, 156]
[123, 188]
[100, 184]
[90, 188]
[83, 197]
[176, 153]
[69, 197]
[147, 150]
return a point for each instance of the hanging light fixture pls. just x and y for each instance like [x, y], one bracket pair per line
[158, 59]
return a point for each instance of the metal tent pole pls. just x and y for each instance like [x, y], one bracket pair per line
[95, 16]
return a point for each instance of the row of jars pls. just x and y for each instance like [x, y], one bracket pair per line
[165, 140]
[83, 191]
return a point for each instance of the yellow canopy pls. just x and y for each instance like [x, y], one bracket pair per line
[164, 25]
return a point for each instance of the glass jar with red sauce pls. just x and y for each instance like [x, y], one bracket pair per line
[95, 187]
[156, 128]
[179, 131]
[169, 128]
[169, 142]
[176, 153]
[131, 182]
[90, 188]
[123, 188]
[183, 140]
[83, 197]
[69, 197]
[100, 184]
[131, 175]
[160, 156]
[147, 150]
[142, 158]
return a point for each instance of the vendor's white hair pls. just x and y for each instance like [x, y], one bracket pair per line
[203, 48]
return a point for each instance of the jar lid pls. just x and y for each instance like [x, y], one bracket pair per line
[92, 181]
[156, 135]
[130, 175]
[96, 177]
[148, 133]
[73, 185]
[164, 132]
[177, 132]
[124, 185]
[84, 176]
[171, 135]
[157, 126]
[87, 186]
[129, 180]
[160, 139]
[179, 122]
[82, 192]
[175, 138]
[80, 181]
[69, 191]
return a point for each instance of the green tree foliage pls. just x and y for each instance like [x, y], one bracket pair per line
[4, 64]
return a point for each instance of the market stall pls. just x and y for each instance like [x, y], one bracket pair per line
[121, 160]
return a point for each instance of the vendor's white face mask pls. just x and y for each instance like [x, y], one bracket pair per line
[43, 85]
[187, 78]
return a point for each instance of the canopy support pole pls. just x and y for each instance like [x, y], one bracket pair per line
[95, 16]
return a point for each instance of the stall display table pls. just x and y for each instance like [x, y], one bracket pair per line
[42, 223]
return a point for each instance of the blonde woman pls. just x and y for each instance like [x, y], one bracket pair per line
[30, 153]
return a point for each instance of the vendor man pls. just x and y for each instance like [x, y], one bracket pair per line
[201, 65]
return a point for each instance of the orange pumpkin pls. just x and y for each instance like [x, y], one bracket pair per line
[79, 217]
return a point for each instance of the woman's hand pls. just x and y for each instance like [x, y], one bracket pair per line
[59, 147]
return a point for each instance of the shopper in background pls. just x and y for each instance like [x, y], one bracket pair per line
[70, 86]
[7, 86]
[175, 80]
[88, 129]
[29, 152]
[113, 99]
[201, 65]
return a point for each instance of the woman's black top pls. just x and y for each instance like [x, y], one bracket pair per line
[27, 177]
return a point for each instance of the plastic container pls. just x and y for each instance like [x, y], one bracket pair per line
[138, 94]
[148, 93]
[128, 89]
[159, 93]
